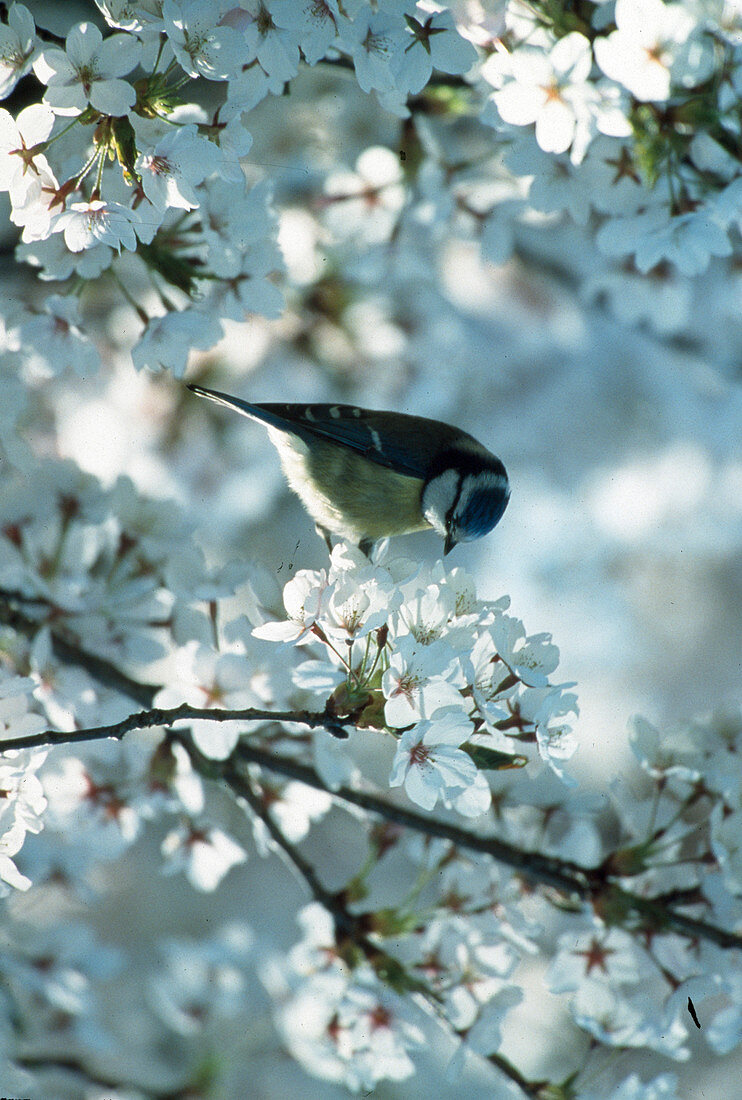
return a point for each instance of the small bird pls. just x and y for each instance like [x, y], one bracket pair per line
[365, 475]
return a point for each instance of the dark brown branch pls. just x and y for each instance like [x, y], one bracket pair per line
[157, 716]
[70, 653]
[591, 885]
[243, 788]
[351, 930]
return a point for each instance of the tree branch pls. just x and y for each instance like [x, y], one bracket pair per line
[70, 1064]
[68, 652]
[593, 885]
[157, 716]
[351, 930]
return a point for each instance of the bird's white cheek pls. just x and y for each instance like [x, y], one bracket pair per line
[435, 522]
[438, 496]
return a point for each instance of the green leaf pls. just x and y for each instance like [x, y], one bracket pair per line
[125, 146]
[179, 272]
[492, 759]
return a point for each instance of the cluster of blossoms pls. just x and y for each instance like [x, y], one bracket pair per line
[177, 196]
[117, 578]
[23, 801]
[463, 699]
[75, 992]
[338, 1020]
[455, 680]
[623, 118]
[697, 766]
[640, 105]
[679, 839]
[115, 573]
[626, 114]
[621, 989]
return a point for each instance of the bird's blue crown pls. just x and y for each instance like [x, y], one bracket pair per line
[484, 510]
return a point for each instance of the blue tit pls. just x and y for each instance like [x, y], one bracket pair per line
[366, 475]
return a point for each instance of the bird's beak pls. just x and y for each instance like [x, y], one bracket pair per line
[449, 544]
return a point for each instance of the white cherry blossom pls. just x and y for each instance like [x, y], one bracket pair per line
[303, 599]
[373, 39]
[429, 762]
[645, 52]
[433, 43]
[204, 853]
[317, 24]
[85, 224]
[88, 71]
[202, 44]
[53, 340]
[168, 340]
[419, 680]
[550, 92]
[21, 166]
[275, 44]
[178, 162]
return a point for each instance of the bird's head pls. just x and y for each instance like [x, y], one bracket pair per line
[465, 496]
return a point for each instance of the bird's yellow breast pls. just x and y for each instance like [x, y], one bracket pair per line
[346, 493]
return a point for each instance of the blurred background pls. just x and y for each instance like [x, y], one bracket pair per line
[615, 403]
[623, 443]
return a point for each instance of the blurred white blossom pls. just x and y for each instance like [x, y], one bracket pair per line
[17, 47]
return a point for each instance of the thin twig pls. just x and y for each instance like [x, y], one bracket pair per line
[71, 1064]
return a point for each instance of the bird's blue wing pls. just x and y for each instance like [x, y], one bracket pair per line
[400, 442]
